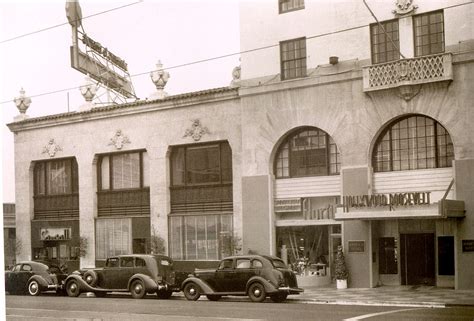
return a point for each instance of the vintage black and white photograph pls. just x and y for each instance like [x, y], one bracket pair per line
[237, 160]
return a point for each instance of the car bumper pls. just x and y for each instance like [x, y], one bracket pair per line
[287, 289]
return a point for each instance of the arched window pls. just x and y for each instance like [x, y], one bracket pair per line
[413, 142]
[307, 152]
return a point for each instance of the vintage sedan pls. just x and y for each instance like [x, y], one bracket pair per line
[33, 278]
[138, 274]
[257, 276]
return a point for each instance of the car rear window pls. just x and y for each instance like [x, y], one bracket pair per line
[279, 264]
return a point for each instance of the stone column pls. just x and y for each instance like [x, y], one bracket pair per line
[87, 205]
[159, 191]
[23, 206]
[355, 181]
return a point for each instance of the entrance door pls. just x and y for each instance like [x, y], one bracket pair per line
[417, 259]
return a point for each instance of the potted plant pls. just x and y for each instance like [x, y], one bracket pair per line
[341, 269]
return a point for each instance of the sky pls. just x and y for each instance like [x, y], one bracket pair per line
[174, 31]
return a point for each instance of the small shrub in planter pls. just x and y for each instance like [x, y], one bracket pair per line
[340, 269]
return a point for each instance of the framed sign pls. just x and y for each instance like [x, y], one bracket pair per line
[356, 246]
[288, 205]
[468, 245]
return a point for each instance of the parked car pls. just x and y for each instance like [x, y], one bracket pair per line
[31, 277]
[257, 276]
[138, 274]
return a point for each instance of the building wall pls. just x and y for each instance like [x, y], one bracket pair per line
[331, 29]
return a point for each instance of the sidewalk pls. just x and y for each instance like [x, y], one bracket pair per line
[409, 296]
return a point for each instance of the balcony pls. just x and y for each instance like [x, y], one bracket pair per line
[408, 72]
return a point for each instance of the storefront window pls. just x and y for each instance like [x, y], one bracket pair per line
[205, 237]
[113, 237]
[388, 255]
[445, 255]
[305, 248]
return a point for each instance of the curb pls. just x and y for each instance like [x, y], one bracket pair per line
[372, 303]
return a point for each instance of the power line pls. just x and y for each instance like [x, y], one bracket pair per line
[66, 23]
[223, 56]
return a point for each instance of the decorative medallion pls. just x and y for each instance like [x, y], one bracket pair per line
[119, 140]
[404, 7]
[51, 148]
[196, 131]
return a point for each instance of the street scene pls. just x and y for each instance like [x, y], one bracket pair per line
[238, 160]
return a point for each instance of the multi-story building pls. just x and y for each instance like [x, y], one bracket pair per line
[349, 125]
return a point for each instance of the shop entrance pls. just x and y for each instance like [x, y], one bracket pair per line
[417, 259]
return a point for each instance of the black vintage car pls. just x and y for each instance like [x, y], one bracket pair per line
[257, 276]
[33, 278]
[138, 274]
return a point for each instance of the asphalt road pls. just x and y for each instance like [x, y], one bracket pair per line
[51, 307]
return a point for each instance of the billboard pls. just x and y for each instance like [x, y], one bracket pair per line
[95, 60]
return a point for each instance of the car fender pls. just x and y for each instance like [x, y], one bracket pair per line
[269, 287]
[205, 288]
[83, 286]
[150, 284]
[41, 281]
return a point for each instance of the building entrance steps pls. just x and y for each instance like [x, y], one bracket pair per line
[427, 296]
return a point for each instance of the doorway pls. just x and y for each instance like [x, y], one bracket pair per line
[417, 259]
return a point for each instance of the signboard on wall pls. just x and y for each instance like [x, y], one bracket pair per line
[468, 245]
[356, 246]
[286, 205]
[55, 233]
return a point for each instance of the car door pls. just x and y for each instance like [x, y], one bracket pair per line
[243, 272]
[111, 272]
[11, 278]
[225, 276]
[126, 271]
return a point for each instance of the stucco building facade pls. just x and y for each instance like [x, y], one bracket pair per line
[371, 149]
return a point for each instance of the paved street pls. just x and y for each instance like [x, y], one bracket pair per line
[50, 307]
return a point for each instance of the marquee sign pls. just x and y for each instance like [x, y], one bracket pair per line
[55, 234]
[391, 200]
[287, 205]
[94, 59]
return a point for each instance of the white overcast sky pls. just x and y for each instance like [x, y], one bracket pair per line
[174, 31]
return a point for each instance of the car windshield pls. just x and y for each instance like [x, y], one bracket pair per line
[279, 264]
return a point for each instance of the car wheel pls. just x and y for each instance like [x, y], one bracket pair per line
[192, 291]
[72, 288]
[257, 292]
[164, 294]
[34, 288]
[214, 297]
[137, 289]
[90, 277]
[279, 297]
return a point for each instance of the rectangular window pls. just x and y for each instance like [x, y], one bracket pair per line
[290, 5]
[388, 255]
[384, 41]
[293, 58]
[429, 33]
[204, 237]
[58, 177]
[124, 171]
[201, 164]
[113, 237]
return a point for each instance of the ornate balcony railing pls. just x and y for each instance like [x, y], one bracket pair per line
[124, 202]
[192, 199]
[56, 206]
[413, 71]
